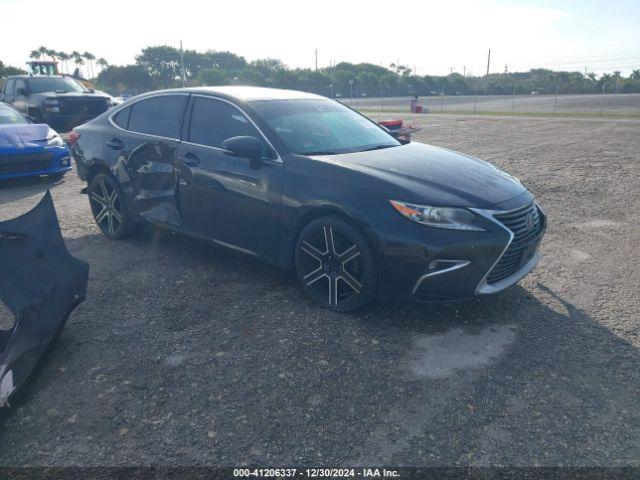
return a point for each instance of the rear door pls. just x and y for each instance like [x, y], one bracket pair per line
[221, 195]
[143, 149]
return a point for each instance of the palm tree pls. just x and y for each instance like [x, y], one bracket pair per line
[52, 54]
[103, 63]
[64, 57]
[635, 75]
[77, 59]
[90, 57]
[43, 51]
[35, 54]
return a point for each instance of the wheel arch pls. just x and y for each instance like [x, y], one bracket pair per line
[95, 168]
[313, 212]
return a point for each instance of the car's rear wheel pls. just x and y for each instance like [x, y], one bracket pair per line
[335, 264]
[108, 207]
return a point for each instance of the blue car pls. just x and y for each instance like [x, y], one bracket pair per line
[29, 149]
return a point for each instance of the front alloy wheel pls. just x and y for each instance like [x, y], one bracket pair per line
[334, 265]
[107, 206]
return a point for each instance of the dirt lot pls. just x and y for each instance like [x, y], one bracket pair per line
[184, 353]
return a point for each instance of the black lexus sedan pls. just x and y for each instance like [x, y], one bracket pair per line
[307, 183]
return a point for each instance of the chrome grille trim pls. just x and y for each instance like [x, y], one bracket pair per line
[508, 273]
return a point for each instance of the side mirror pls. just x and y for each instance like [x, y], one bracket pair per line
[245, 147]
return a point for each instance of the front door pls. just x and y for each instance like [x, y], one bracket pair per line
[19, 100]
[221, 196]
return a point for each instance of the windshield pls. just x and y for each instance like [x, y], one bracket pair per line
[55, 84]
[321, 127]
[8, 116]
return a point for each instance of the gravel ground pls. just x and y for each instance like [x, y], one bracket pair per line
[187, 354]
[609, 104]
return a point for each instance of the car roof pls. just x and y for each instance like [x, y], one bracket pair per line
[26, 75]
[244, 93]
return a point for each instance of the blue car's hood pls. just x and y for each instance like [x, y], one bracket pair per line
[433, 174]
[29, 136]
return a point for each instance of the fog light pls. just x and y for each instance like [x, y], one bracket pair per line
[65, 162]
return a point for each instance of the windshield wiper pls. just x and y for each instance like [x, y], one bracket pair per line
[378, 147]
[323, 152]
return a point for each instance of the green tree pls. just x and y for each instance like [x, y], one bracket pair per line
[78, 61]
[102, 63]
[213, 76]
[267, 66]
[129, 78]
[251, 77]
[89, 57]
[64, 58]
[6, 70]
[162, 63]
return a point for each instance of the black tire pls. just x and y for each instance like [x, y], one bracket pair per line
[109, 208]
[335, 264]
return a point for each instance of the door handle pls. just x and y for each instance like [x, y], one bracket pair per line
[189, 159]
[115, 144]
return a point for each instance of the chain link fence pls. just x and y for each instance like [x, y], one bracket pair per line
[372, 98]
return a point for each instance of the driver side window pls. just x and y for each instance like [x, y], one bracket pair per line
[213, 121]
[20, 84]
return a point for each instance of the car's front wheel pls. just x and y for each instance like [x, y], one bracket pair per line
[335, 264]
[108, 207]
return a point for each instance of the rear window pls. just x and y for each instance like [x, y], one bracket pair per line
[122, 118]
[159, 116]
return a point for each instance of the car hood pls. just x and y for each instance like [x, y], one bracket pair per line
[434, 175]
[27, 136]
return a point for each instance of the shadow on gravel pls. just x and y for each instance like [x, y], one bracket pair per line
[18, 188]
[189, 354]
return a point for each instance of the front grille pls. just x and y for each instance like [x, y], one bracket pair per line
[83, 106]
[25, 162]
[524, 242]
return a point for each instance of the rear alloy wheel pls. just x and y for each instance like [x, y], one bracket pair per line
[108, 208]
[335, 265]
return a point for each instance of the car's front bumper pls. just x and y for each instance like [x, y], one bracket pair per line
[50, 161]
[431, 264]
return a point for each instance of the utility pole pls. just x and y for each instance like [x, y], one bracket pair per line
[184, 78]
[316, 59]
[450, 70]
[464, 71]
[488, 61]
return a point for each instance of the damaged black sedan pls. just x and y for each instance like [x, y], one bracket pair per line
[307, 183]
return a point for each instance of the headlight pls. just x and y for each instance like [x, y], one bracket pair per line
[54, 140]
[439, 217]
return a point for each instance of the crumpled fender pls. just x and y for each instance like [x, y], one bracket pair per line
[41, 283]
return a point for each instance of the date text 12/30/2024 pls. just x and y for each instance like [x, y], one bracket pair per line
[315, 472]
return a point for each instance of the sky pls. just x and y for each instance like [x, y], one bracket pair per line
[430, 37]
